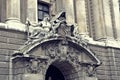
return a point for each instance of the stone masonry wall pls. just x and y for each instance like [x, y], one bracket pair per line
[10, 41]
[110, 58]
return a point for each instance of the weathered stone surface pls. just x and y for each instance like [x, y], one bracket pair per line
[32, 77]
[9, 46]
[104, 16]
[16, 41]
[31, 11]
[116, 17]
[89, 78]
[4, 58]
[3, 39]
[13, 9]
[4, 71]
[13, 34]
[4, 51]
[4, 77]
[81, 16]
[4, 64]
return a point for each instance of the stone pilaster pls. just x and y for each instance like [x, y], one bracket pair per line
[59, 6]
[98, 22]
[13, 15]
[13, 10]
[81, 16]
[107, 19]
[32, 11]
[69, 9]
[115, 18]
[53, 8]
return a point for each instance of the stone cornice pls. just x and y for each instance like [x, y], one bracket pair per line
[14, 26]
[105, 43]
[22, 28]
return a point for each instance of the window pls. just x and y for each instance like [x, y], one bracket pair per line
[43, 10]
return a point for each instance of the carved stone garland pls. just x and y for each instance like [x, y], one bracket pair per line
[36, 65]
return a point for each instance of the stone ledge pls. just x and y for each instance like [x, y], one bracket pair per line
[105, 43]
[14, 26]
[90, 78]
[22, 27]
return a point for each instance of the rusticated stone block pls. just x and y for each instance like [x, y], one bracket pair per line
[4, 51]
[16, 41]
[3, 39]
[3, 32]
[4, 58]
[4, 71]
[4, 77]
[4, 64]
[13, 34]
[9, 46]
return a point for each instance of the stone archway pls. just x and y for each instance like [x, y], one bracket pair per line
[62, 47]
[53, 73]
[61, 70]
[65, 55]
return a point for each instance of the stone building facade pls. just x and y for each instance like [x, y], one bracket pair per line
[59, 39]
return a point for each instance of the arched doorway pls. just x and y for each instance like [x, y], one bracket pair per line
[60, 70]
[53, 73]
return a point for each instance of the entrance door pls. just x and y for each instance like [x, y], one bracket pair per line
[53, 73]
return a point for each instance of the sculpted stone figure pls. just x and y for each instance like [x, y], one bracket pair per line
[41, 28]
[60, 26]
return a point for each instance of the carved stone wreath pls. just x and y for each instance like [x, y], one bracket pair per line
[33, 66]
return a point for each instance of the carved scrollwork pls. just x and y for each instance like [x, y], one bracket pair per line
[35, 66]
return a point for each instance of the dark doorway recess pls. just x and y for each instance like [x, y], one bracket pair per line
[53, 73]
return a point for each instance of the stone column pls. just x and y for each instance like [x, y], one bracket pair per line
[107, 19]
[81, 16]
[13, 10]
[115, 18]
[98, 21]
[53, 7]
[13, 15]
[69, 9]
[32, 11]
[59, 6]
[3, 10]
